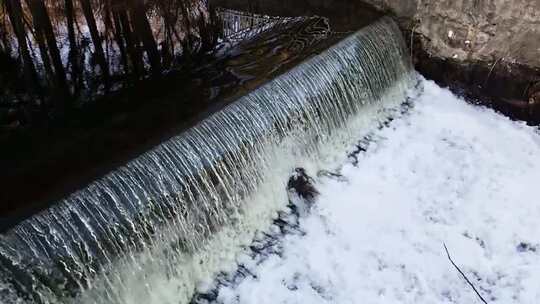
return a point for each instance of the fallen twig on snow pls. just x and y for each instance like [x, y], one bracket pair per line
[464, 276]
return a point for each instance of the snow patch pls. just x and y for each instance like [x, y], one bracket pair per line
[447, 172]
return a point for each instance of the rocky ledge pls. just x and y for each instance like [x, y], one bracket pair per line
[484, 49]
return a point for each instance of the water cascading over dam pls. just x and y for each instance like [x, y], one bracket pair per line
[150, 230]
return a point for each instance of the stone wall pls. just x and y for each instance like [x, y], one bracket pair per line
[486, 50]
[484, 30]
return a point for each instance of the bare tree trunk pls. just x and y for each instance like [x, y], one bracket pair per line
[44, 53]
[109, 30]
[188, 46]
[207, 31]
[5, 41]
[96, 38]
[14, 11]
[76, 72]
[131, 44]
[70, 26]
[37, 32]
[167, 45]
[120, 41]
[42, 22]
[144, 31]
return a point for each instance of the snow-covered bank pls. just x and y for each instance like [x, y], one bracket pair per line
[447, 172]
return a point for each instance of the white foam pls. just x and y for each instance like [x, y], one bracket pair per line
[448, 172]
[140, 278]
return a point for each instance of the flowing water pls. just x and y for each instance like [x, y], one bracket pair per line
[151, 230]
[420, 193]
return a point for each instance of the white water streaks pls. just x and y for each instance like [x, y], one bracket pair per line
[151, 230]
[447, 172]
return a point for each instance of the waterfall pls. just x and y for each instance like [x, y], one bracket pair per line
[150, 230]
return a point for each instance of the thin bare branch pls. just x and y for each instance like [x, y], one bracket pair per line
[464, 276]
